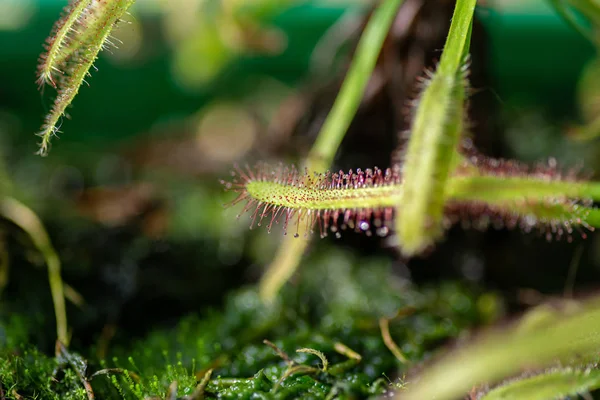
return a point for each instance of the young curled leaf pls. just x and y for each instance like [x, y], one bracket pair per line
[73, 47]
[60, 44]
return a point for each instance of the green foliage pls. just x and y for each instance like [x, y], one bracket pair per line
[335, 307]
[332, 132]
[573, 11]
[26, 372]
[436, 179]
[434, 137]
[73, 47]
[570, 337]
[26, 219]
[544, 199]
[347, 102]
[330, 322]
[588, 88]
[553, 384]
[29, 374]
[327, 308]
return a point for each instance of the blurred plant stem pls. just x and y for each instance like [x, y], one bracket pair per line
[28, 221]
[589, 9]
[330, 137]
[542, 338]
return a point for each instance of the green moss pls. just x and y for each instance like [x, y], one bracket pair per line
[337, 299]
[28, 373]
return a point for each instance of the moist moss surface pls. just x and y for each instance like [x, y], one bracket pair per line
[334, 307]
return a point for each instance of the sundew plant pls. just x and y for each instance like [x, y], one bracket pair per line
[439, 180]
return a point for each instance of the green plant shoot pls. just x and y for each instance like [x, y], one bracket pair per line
[330, 137]
[433, 142]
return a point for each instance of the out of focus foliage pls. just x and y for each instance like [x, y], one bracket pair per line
[336, 306]
[162, 278]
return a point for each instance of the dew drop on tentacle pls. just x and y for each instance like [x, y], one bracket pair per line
[274, 214]
[308, 226]
[377, 222]
[368, 220]
[383, 231]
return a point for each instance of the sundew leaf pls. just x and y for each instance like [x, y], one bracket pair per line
[545, 200]
[503, 353]
[59, 44]
[434, 138]
[553, 384]
[85, 31]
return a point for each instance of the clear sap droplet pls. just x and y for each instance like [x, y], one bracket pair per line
[363, 225]
[383, 231]
[530, 220]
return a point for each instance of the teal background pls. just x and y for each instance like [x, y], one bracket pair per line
[534, 58]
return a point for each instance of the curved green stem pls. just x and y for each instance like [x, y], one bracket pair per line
[323, 151]
[24, 218]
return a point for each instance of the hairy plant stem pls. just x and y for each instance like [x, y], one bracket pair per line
[483, 188]
[434, 137]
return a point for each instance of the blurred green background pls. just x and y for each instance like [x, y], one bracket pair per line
[197, 85]
[130, 193]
